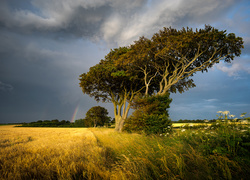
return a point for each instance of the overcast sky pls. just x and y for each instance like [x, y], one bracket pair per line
[46, 44]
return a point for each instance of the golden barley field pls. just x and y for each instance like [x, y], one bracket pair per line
[47, 153]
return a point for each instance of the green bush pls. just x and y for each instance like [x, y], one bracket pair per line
[157, 124]
[150, 115]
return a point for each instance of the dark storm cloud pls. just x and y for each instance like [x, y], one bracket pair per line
[77, 18]
[42, 62]
[114, 21]
[39, 76]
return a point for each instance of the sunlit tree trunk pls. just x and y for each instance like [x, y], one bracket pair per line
[121, 110]
[121, 114]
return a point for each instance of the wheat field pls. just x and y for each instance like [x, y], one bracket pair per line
[48, 153]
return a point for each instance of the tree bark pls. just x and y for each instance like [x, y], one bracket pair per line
[120, 117]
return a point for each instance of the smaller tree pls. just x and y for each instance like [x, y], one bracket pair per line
[97, 116]
[150, 115]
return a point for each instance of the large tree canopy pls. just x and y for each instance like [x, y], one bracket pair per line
[110, 83]
[171, 57]
[165, 63]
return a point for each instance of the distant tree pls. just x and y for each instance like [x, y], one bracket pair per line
[63, 122]
[80, 123]
[55, 121]
[48, 123]
[97, 115]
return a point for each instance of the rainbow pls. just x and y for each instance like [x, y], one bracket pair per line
[74, 114]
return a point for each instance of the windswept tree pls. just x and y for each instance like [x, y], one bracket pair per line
[180, 54]
[165, 63]
[110, 83]
[171, 57]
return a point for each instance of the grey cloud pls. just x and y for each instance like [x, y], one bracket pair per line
[5, 87]
[236, 68]
[45, 79]
[246, 49]
[149, 19]
[185, 105]
[115, 21]
[211, 100]
[79, 18]
[46, 64]
[214, 91]
[73, 19]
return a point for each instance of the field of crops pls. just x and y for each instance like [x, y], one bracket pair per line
[45, 153]
[214, 152]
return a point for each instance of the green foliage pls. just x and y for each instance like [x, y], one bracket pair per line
[157, 124]
[221, 138]
[109, 82]
[118, 74]
[48, 123]
[188, 154]
[106, 81]
[80, 123]
[150, 115]
[167, 60]
[165, 63]
[96, 116]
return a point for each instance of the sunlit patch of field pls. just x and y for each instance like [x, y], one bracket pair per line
[189, 124]
[178, 125]
[47, 153]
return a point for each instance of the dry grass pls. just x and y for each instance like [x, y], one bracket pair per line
[98, 153]
[150, 157]
[49, 153]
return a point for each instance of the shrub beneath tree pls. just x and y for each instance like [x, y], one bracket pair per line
[150, 115]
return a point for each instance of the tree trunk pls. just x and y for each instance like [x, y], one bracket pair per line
[146, 91]
[121, 117]
[119, 122]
